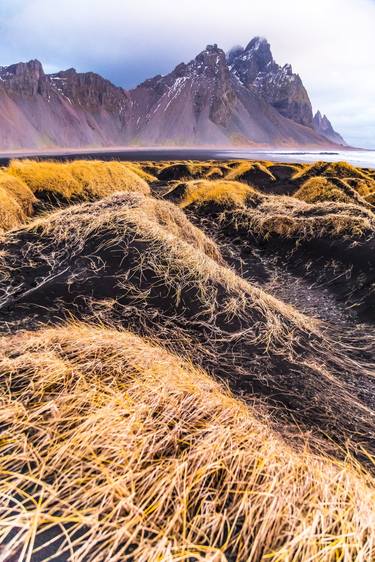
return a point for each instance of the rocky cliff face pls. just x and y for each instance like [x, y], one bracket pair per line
[192, 104]
[24, 78]
[91, 91]
[277, 85]
[323, 127]
[245, 98]
[66, 109]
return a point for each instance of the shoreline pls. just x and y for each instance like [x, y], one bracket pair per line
[359, 157]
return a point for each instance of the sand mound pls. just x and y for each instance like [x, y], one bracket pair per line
[222, 192]
[330, 241]
[77, 180]
[190, 170]
[318, 189]
[144, 170]
[284, 172]
[341, 170]
[128, 260]
[160, 462]
[254, 173]
[280, 215]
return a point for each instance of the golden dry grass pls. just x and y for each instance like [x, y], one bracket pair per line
[223, 192]
[150, 218]
[80, 179]
[16, 201]
[250, 171]
[285, 217]
[214, 172]
[341, 170]
[318, 189]
[283, 171]
[270, 215]
[140, 168]
[117, 450]
[191, 169]
[129, 260]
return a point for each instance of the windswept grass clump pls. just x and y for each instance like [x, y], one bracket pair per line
[189, 170]
[222, 192]
[77, 180]
[114, 449]
[144, 170]
[283, 172]
[294, 219]
[254, 173]
[319, 189]
[341, 170]
[16, 201]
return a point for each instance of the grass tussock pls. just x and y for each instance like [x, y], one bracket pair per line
[189, 170]
[341, 170]
[80, 179]
[254, 173]
[224, 192]
[16, 201]
[114, 449]
[283, 172]
[144, 170]
[319, 189]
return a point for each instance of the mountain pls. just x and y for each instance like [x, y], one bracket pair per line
[323, 127]
[64, 109]
[205, 102]
[243, 98]
[277, 85]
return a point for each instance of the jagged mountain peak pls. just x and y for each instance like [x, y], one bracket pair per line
[323, 127]
[257, 43]
[211, 61]
[33, 66]
[260, 50]
[234, 53]
[247, 63]
[211, 54]
[68, 72]
[256, 68]
[256, 56]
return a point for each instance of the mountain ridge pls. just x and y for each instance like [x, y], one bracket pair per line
[243, 98]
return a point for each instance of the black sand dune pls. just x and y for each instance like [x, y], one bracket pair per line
[166, 350]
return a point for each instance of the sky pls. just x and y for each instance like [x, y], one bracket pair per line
[330, 43]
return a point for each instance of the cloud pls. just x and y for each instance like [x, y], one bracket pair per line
[330, 43]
